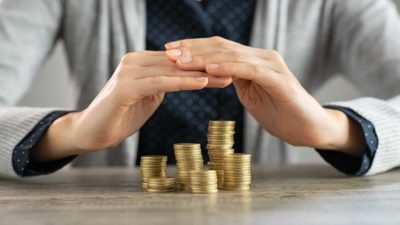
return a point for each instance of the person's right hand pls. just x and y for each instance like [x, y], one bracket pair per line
[129, 98]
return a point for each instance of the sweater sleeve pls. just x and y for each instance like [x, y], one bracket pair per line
[22, 163]
[385, 117]
[28, 30]
[365, 49]
[351, 165]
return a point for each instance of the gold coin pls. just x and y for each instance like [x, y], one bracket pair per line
[187, 146]
[228, 181]
[153, 157]
[244, 188]
[219, 146]
[205, 192]
[222, 122]
[238, 156]
[160, 190]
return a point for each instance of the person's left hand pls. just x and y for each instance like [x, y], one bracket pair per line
[270, 92]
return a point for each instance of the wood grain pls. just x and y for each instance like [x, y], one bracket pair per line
[279, 195]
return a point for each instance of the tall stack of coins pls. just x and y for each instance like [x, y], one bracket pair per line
[203, 181]
[161, 184]
[188, 157]
[152, 167]
[237, 176]
[220, 143]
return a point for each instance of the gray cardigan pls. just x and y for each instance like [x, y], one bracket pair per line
[318, 39]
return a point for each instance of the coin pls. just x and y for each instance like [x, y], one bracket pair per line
[152, 166]
[203, 181]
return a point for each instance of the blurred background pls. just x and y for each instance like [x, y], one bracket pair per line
[54, 78]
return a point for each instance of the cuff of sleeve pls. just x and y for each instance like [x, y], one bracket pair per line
[350, 165]
[35, 169]
[21, 154]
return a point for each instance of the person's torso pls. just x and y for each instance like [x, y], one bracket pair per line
[97, 33]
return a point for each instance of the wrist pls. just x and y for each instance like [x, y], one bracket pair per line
[342, 134]
[59, 140]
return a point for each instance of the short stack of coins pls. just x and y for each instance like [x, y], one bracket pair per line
[153, 166]
[188, 158]
[203, 181]
[220, 143]
[237, 168]
[161, 184]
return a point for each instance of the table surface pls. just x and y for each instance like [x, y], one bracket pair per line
[280, 195]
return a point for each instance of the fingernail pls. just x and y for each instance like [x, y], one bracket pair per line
[174, 52]
[185, 59]
[212, 66]
[201, 79]
[174, 44]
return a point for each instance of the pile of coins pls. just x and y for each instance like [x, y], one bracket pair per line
[237, 168]
[188, 158]
[227, 170]
[203, 181]
[220, 143]
[161, 184]
[152, 167]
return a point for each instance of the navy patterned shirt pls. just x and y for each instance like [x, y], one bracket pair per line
[190, 111]
[183, 116]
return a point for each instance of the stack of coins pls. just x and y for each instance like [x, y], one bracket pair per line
[153, 166]
[188, 157]
[237, 176]
[161, 184]
[203, 181]
[220, 143]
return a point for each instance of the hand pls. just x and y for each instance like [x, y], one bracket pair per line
[129, 98]
[270, 92]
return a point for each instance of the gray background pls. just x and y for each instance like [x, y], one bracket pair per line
[53, 87]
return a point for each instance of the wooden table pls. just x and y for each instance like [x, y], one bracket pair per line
[279, 195]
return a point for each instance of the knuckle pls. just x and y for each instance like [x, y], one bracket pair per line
[219, 41]
[187, 43]
[199, 60]
[153, 80]
[274, 54]
[171, 70]
[157, 80]
[258, 69]
[124, 73]
[181, 83]
[225, 84]
[230, 69]
[128, 58]
[237, 57]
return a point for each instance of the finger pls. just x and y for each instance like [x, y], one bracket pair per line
[258, 74]
[156, 85]
[190, 42]
[200, 62]
[213, 82]
[139, 72]
[203, 46]
[145, 58]
[172, 71]
[200, 46]
[218, 82]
